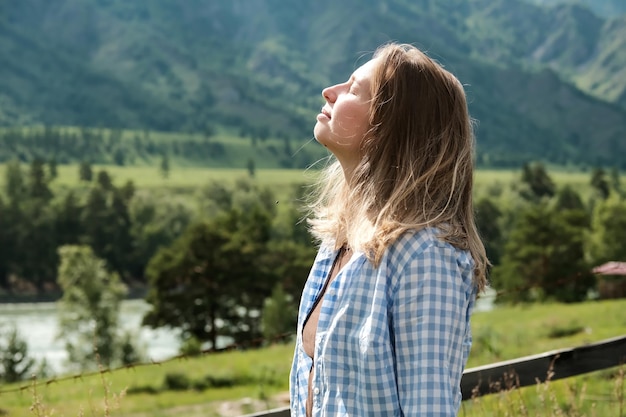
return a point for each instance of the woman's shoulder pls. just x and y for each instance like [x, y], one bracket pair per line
[414, 241]
[423, 242]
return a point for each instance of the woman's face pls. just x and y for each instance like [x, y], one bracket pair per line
[344, 120]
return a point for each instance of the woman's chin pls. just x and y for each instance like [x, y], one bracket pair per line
[318, 134]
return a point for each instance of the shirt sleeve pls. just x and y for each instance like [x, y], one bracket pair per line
[429, 322]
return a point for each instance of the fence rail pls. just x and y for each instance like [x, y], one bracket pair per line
[527, 370]
[561, 363]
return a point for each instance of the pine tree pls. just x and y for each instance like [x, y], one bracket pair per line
[544, 257]
[15, 363]
[52, 168]
[38, 181]
[14, 183]
[538, 181]
[600, 183]
[164, 167]
[251, 168]
[85, 172]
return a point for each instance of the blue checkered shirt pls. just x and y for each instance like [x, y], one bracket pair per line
[392, 340]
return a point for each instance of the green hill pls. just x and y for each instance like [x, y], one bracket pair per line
[580, 46]
[606, 8]
[544, 83]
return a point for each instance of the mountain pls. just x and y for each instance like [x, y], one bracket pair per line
[43, 84]
[605, 8]
[544, 83]
[581, 47]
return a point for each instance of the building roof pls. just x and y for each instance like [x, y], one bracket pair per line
[610, 268]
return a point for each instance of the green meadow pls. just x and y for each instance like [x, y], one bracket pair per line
[238, 382]
[185, 177]
[181, 177]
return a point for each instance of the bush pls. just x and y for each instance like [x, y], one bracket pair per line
[176, 381]
[564, 330]
[191, 347]
[142, 389]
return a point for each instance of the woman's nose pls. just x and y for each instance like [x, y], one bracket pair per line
[329, 94]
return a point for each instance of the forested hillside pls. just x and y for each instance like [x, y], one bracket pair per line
[606, 8]
[543, 82]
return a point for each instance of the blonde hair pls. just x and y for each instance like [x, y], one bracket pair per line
[416, 167]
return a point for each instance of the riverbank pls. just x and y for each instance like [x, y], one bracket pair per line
[192, 387]
[136, 292]
[37, 324]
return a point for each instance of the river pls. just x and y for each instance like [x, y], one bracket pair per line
[38, 325]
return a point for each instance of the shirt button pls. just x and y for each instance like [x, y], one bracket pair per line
[316, 391]
[331, 292]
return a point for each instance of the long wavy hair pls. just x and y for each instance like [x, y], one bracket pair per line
[416, 165]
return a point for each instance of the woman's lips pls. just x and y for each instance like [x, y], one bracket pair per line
[325, 112]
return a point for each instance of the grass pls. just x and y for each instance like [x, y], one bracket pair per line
[146, 176]
[599, 394]
[515, 331]
[183, 177]
[259, 375]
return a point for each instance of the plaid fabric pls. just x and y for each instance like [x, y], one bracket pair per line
[392, 340]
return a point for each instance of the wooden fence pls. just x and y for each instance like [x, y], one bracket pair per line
[525, 371]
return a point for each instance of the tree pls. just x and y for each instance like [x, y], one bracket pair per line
[89, 308]
[251, 167]
[67, 218]
[568, 199]
[14, 183]
[487, 216]
[544, 257]
[127, 191]
[538, 181]
[215, 197]
[52, 168]
[600, 183]
[85, 172]
[608, 225]
[38, 181]
[210, 276]
[15, 364]
[106, 224]
[34, 254]
[289, 262]
[104, 181]
[287, 148]
[279, 314]
[5, 242]
[615, 180]
[119, 156]
[156, 222]
[164, 167]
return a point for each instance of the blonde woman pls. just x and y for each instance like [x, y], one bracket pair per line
[383, 326]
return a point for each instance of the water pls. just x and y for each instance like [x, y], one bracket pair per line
[486, 300]
[38, 325]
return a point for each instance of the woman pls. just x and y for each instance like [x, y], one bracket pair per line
[383, 327]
